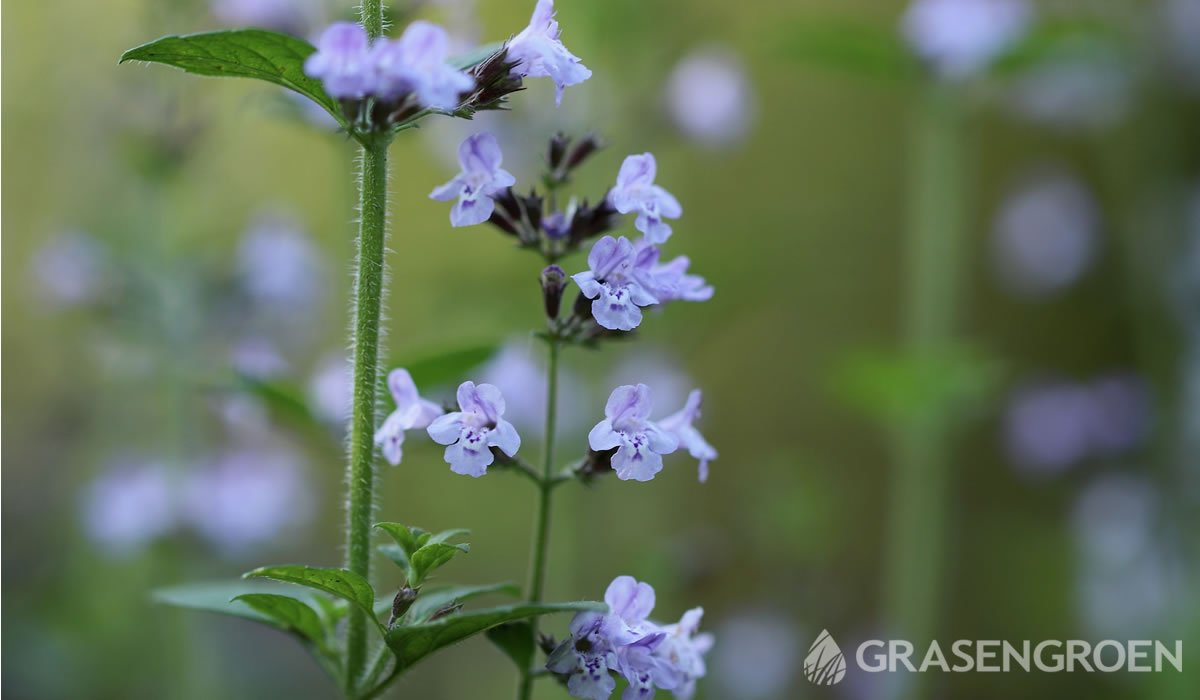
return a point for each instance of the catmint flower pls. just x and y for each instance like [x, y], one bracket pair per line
[613, 285]
[680, 425]
[683, 648]
[960, 38]
[470, 434]
[636, 191]
[481, 177]
[343, 61]
[412, 412]
[538, 52]
[668, 281]
[416, 63]
[627, 426]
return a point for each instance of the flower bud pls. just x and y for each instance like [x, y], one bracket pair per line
[402, 602]
[554, 281]
[583, 149]
[557, 150]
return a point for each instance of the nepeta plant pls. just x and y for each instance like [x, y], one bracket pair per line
[375, 88]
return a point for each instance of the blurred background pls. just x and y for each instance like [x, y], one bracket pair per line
[952, 365]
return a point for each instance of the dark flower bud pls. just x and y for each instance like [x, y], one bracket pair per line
[547, 643]
[595, 464]
[590, 221]
[554, 281]
[582, 149]
[507, 213]
[557, 150]
[402, 602]
[494, 82]
[583, 307]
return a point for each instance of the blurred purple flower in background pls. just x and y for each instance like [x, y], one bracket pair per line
[757, 657]
[1045, 236]
[129, 506]
[343, 61]
[635, 191]
[416, 63]
[960, 38]
[246, 498]
[412, 413]
[470, 434]
[661, 371]
[614, 285]
[331, 390]
[709, 97]
[481, 177]
[520, 374]
[279, 267]
[679, 424]
[71, 269]
[257, 357]
[292, 16]
[640, 442]
[539, 53]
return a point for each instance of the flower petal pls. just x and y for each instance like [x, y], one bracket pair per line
[446, 430]
[505, 437]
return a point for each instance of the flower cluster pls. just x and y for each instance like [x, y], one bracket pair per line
[411, 73]
[624, 641]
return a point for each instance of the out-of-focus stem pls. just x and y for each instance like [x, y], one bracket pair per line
[921, 442]
[541, 535]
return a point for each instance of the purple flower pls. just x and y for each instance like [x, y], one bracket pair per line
[416, 63]
[129, 507]
[412, 412]
[471, 433]
[668, 281]
[680, 425]
[636, 191]
[279, 266]
[614, 285]
[280, 15]
[960, 38]
[481, 177]
[343, 61]
[626, 426]
[585, 658]
[709, 97]
[538, 52]
[683, 648]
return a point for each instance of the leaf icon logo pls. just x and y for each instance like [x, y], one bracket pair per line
[824, 664]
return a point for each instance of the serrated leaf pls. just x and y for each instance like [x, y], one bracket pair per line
[432, 600]
[850, 46]
[430, 557]
[411, 643]
[515, 639]
[241, 53]
[289, 614]
[448, 367]
[342, 583]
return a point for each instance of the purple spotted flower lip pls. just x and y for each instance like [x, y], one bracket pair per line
[539, 53]
[470, 434]
[679, 424]
[613, 284]
[636, 192]
[416, 64]
[480, 179]
[412, 413]
[640, 443]
[343, 61]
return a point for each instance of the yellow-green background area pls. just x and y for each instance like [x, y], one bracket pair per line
[800, 229]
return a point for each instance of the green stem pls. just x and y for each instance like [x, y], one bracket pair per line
[368, 292]
[921, 443]
[541, 536]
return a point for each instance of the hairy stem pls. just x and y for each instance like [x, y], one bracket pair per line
[921, 444]
[368, 291]
[541, 535]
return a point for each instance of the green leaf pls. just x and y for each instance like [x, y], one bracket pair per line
[446, 367]
[342, 583]
[290, 614]
[432, 600]
[515, 639]
[474, 57]
[446, 535]
[396, 553]
[411, 643]
[219, 597]
[430, 557]
[853, 47]
[241, 53]
[405, 536]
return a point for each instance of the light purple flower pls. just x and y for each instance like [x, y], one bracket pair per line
[586, 658]
[683, 649]
[709, 97]
[680, 425]
[416, 63]
[636, 191]
[481, 177]
[538, 52]
[280, 15]
[129, 507]
[960, 38]
[614, 284]
[471, 433]
[331, 390]
[627, 426]
[668, 281]
[412, 413]
[343, 61]
[279, 266]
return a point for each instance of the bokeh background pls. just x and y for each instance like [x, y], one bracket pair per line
[1028, 469]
